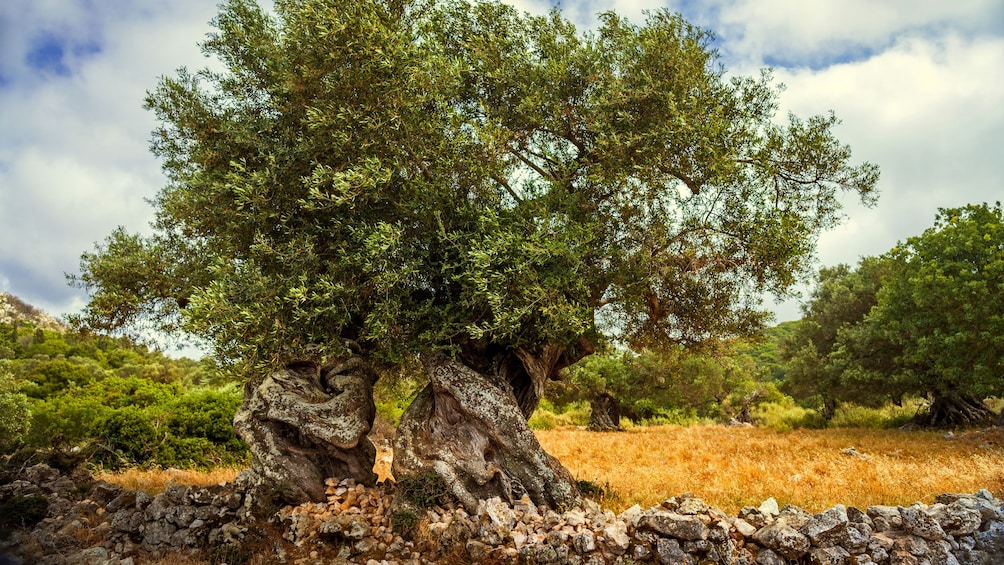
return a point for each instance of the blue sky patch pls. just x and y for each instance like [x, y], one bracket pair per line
[49, 53]
[821, 59]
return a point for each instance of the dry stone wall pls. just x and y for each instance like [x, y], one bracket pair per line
[95, 523]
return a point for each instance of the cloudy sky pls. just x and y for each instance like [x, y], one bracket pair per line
[919, 85]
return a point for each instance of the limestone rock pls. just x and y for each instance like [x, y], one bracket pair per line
[885, 518]
[920, 523]
[834, 555]
[669, 552]
[768, 557]
[828, 528]
[769, 508]
[496, 519]
[783, 539]
[956, 519]
[617, 538]
[674, 525]
[584, 542]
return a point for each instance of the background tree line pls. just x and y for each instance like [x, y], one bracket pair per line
[123, 404]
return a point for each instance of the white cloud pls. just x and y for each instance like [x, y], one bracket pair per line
[74, 161]
[826, 30]
[930, 114]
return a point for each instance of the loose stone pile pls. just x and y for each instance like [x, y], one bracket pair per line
[95, 522]
[88, 522]
[682, 530]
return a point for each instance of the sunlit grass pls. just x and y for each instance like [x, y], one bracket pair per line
[154, 481]
[735, 467]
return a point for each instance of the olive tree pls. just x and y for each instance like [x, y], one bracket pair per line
[942, 311]
[925, 319]
[358, 183]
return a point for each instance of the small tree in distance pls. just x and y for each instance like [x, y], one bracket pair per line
[488, 190]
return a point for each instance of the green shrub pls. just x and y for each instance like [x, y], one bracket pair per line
[47, 378]
[403, 522]
[672, 417]
[785, 417]
[547, 417]
[229, 554]
[73, 418]
[130, 432]
[118, 392]
[890, 416]
[424, 490]
[15, 412]
[206, 413]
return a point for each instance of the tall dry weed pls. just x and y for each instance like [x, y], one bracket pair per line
[813, 469]
[155, 481]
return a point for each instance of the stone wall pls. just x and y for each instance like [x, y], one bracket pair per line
[88, 522]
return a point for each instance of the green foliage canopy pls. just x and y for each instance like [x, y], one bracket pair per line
[943, 305]
[453, 175]
[655, 384]
[823, 349]
[924, 319]
[60, 389]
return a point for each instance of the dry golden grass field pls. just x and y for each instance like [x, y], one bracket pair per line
[735, 467]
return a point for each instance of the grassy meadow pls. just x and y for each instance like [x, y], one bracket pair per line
[732, 467]
[735, 467]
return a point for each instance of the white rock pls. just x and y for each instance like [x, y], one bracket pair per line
[617, 538]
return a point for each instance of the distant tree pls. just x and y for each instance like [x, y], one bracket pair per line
[924, 319]
[942, 309]
[816, 356]
[366, 181]
[710, 383]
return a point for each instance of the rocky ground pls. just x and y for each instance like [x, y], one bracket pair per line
[53, 518]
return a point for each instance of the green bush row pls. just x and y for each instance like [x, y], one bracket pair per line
[133, 421]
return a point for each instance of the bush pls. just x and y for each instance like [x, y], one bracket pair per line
[72, 418]
[547, 417]
[50, 377]
[207, 414]
[425, 490]
[23, 511]
[672, 417]
[890, 416]
[785, 417]
[15, 413]
[130, 432]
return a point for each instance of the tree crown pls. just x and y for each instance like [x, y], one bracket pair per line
[416, 176]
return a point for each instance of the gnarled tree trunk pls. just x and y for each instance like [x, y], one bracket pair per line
[306, 423]
[605, 413]
[470, 429]
[957, 411]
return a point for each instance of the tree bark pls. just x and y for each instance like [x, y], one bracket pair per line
[957, 411]
[605, 414]
[307, 423]
[470, 429]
